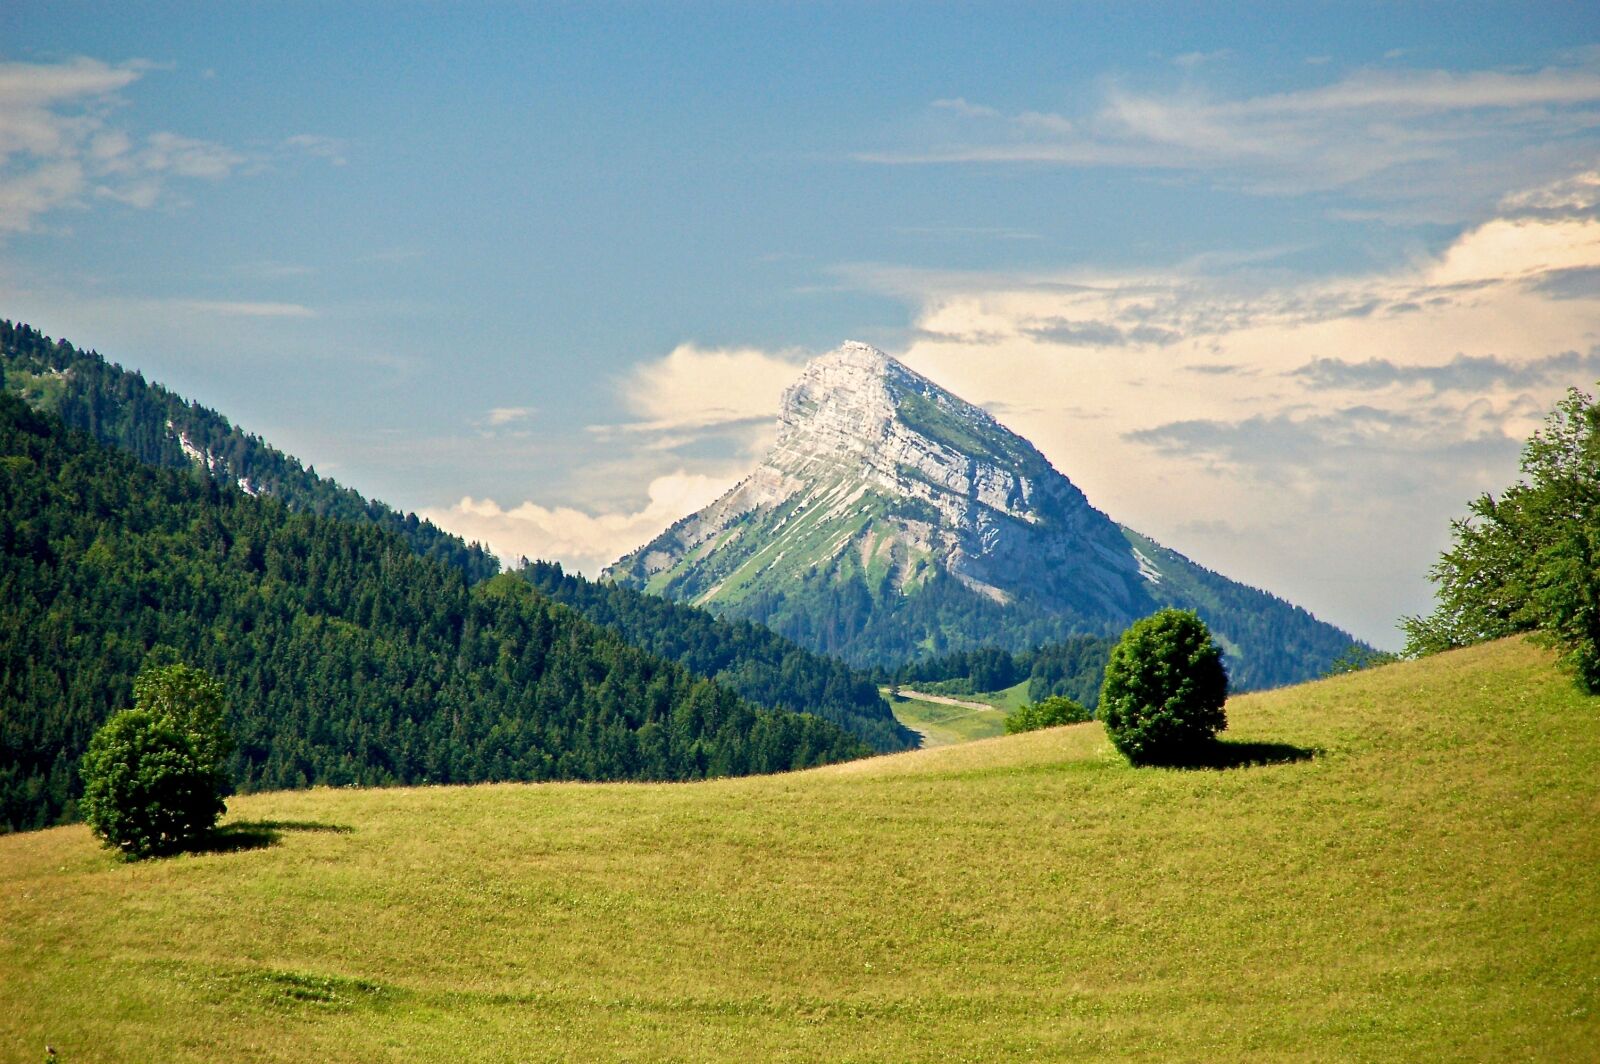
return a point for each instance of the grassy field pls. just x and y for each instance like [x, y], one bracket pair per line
[1008, 698]
[941, 724]
[1414, 879]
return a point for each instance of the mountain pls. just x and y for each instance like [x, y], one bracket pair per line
[348, 659]
[120, 408]
[892, 520]
[753, 661]
[161, 428]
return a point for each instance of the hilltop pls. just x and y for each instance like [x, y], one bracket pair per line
[892, 520]
[1421, 886]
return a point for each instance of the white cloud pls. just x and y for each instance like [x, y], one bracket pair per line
[59, 148]
[1440, 141]
[700, 389]
[582, 541]
[701, 416]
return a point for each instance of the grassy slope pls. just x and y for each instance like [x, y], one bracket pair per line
[941, 724]
[1007, 698]
[1425, 888]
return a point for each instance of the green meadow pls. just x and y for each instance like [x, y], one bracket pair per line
[940, 723]
[1399, 864]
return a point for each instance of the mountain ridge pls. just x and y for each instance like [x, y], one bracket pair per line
[161, 428]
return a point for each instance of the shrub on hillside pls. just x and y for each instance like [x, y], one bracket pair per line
[1046, 713]
[154, 776]
[1164, 688]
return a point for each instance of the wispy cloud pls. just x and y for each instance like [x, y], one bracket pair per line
[317, 146]
[1463, 373]
[501, 416]
[1387, 134]
[62, 148]
[963, 232]
[1191, 60]
[237, 309]
[273, 271]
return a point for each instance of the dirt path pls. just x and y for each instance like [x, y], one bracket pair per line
[921, 696]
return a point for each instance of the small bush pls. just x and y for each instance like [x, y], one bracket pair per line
[1164, 688]
[154, 776]
[1047, 713]
[146, 791]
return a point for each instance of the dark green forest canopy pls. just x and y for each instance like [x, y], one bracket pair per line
[121, 408]
[759, 664]
[347, 657]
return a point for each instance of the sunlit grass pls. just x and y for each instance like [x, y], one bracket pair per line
[1424, 887]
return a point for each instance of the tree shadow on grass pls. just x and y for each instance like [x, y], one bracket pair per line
[1232, 753]
[256, 834]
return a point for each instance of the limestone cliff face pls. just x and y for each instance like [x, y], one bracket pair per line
[879, 471]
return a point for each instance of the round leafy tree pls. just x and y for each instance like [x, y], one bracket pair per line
[1164, 688]
[154, 776]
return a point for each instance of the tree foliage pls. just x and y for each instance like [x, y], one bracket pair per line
[1358, 659]
[348, 658]
[147, 790]
[1049, 713]
[759, 664]
[1072, 667]
[1529, 561]
[1164, 689]
[191, 702]
[155, 777]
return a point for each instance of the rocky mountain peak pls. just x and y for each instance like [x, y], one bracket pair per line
[856, 403]
[899, 466]
[892, 509]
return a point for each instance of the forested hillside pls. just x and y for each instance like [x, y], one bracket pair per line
[759, 664]
[121, 408]
[348, 658]
[877, 627]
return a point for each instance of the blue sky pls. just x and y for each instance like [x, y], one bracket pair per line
[540, 271]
